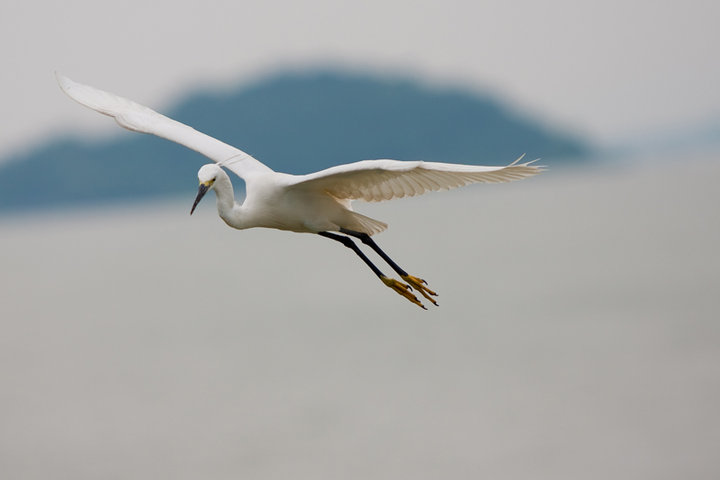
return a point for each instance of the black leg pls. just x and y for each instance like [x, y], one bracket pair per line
[367, 240]
[417, 283]
[351, 245]
[399, 287]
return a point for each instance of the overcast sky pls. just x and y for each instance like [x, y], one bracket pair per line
[608, 69]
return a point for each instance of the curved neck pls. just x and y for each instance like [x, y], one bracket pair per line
[225, 195]
[230, 211]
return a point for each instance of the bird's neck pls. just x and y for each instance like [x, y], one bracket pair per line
[229, 210]
[225, 194]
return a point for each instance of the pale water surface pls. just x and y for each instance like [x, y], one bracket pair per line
[577, 338]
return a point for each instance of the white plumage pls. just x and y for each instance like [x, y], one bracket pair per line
[319, 202]
[378, 180]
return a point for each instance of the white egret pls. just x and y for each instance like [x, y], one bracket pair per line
[315, 203]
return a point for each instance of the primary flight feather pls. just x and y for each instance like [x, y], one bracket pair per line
[319, 202]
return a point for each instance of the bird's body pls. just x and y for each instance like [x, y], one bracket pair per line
[269, 203]
[315, 203]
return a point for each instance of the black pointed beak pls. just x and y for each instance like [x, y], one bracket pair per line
[201, 193]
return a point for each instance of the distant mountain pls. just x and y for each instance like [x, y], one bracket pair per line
[295, 123]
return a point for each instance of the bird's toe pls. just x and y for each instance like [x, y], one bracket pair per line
[421, 286]
[403, 290]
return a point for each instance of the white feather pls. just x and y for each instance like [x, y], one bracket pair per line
[377, 180]
[139, 118]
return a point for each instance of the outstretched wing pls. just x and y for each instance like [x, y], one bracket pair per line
[378, 180]
[139, 118]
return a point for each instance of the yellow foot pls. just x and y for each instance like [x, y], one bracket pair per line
[403, 290]
[421, 286]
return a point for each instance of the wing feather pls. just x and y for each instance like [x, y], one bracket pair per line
[139, 118]
[370, 180]
[378, 180]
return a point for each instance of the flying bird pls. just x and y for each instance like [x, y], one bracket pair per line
[319, 202]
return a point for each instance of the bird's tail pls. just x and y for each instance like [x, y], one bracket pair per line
[361, 223]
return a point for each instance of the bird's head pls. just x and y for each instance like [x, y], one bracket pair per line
[207, 175]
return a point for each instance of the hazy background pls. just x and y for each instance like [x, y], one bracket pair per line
[609, 69]
[577, 333]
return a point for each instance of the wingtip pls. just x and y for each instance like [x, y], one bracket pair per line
[64, 82]
[517, 160]
[531, 163]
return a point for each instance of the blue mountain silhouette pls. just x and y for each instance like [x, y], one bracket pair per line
[293, 122]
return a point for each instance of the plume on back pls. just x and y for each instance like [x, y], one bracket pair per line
[378, 180]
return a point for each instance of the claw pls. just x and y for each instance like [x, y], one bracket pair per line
[420, 285]
[403, 290]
